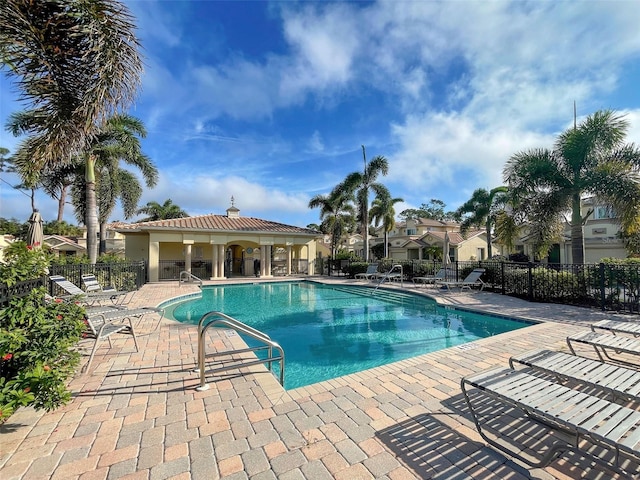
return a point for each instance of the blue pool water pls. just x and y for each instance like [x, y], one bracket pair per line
[327, 331]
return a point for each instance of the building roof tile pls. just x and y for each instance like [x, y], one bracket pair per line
[218, 223]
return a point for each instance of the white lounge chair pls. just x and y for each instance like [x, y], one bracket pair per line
[472, 280]
[89, 298]
[632, 328]
[602, 343]
[104, 324]
[372, 269]
[589, 420]
[441, 274]
[618, 381]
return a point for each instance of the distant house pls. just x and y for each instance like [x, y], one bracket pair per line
[5, 241]
[600, 233]
[220, 246]
[64, 246]
[423, 239]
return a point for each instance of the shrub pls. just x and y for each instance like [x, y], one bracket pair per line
[22, 262]
[37, 353]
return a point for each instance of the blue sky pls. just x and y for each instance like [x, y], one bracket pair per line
[270, 102]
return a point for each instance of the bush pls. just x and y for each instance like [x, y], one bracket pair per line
[22, 262]
[37, 355]
[354, 268]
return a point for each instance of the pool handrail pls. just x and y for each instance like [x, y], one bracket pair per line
[217, 319]
[386, 276]
[188, 277]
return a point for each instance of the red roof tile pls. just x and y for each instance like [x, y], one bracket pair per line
[219, 223]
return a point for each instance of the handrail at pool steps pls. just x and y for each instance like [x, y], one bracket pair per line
[219, 319]
[188, 277]
[387, 276]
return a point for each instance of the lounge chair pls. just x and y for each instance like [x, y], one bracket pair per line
[588, 419]
[614, 326]
[372, 269]
[441, 274]
[472, 280]
[618, 381]
[602, 343]
[90, 298]
[106, 323]
[389, 276]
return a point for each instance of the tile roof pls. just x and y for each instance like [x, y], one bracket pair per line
[218, 223]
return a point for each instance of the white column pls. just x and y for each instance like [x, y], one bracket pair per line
[214, 262]
[263, 260]
[268, 260]
[221, 259]
[154, 261]
[288, 259]
[187, 257]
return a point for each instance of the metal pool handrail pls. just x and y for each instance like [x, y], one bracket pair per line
[219, 319]
[386, 276]
[188, 277]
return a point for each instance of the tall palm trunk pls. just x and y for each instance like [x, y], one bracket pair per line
[577, 236]
[61, 201]
[489, 252]
[91, 221]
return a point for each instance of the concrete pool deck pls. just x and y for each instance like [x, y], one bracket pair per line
[137, 415]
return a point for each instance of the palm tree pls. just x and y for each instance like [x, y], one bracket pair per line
[382, 211]
[118, 140]
[336, 213]
[481, 210]
[359, 183]
[75, 64]
[161, 212]
[588, 159]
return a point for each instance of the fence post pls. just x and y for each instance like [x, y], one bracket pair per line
[502, 277]
[602, 292]
[530, 281]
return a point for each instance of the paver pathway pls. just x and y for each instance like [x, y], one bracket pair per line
[138, 415]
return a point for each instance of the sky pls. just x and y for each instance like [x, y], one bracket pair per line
[271, 102]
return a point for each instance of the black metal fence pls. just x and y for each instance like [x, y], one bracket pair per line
[610, 287]
[121, 276]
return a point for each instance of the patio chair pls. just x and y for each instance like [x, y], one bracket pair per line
[104, 324]
[620, 382]
[89, 298]
[603, 342]
[590, 421]
[614, 326]
[441, 274]
[372, 269]
[91, 285]
[472, 280]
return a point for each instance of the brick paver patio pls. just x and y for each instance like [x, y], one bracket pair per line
[137, 415]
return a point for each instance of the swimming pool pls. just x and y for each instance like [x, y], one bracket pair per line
[328, 331]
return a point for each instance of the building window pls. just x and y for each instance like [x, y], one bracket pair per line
[481, 254]
[603, 211]
[411, 231]
[199, 252]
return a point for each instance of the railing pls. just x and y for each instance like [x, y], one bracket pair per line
[121, 275]
[387, 275]
[20, 289]
[187, 277]
[219, 319]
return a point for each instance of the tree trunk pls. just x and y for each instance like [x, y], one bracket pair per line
[489, 253]
[91, 222]
[365, 230]
[103, 238]
[61, 201]
[577, 236]
[386, 244]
